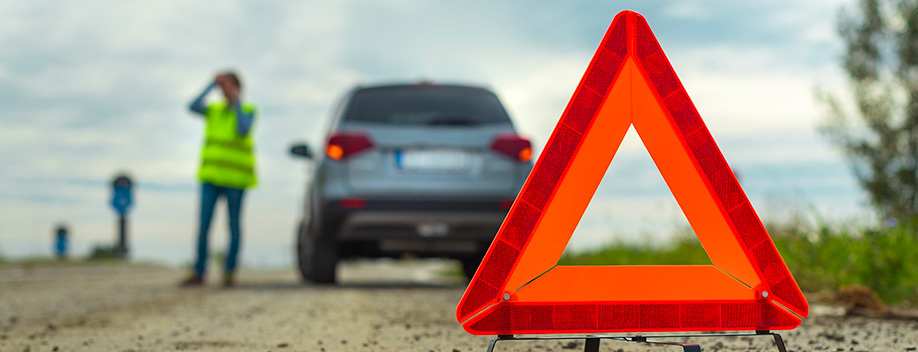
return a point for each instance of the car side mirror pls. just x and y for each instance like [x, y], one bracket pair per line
[301, 150]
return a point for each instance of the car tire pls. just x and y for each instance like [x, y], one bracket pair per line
[470, 264]
[302, 253]
[317, 258]
[324, 261]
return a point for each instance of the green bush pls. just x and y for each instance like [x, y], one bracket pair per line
[682, 250]
[825, 257]
[103, 252]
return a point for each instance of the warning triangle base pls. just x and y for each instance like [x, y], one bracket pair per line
[592, 342]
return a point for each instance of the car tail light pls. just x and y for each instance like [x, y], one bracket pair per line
[353, 203]
[505, 204]
[344, 144]
[514, 146]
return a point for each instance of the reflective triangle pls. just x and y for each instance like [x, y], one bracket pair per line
[519, 289]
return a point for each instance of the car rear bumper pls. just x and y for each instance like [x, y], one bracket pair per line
[431, 225]
[416, 225]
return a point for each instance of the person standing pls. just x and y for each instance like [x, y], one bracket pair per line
[227, 168]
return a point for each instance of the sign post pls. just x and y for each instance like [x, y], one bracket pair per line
[122, 200]
[60, 242]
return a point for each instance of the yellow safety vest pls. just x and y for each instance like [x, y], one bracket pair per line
[227, 159]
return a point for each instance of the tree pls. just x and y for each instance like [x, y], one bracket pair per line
[881, 142]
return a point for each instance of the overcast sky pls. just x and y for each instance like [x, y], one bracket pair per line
[89, 88]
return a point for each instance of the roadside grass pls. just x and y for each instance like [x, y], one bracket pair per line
[684, 249]
[826, 257]
[452, 272]
[822, 257]
[48, 261]
[39, 261]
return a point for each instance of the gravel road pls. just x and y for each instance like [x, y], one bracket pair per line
[380, 306]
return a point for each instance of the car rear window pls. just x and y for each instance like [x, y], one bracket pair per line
[420, 105]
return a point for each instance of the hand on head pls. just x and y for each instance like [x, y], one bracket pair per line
[230, 90]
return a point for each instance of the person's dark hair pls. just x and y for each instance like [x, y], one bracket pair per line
[235, 77]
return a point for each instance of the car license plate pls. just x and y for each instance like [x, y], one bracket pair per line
[432, 160]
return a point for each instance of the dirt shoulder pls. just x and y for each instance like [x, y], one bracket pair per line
[380, 306]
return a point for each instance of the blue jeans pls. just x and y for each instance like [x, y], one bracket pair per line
[209, 195]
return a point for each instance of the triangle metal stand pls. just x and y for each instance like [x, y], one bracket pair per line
[592, 342]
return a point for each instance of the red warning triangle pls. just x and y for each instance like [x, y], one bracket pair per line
[519, 289]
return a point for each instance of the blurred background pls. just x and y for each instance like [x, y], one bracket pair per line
[93, 88]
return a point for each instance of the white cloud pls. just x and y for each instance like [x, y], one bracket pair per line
[689, 10]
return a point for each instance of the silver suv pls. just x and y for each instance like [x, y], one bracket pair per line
[423, 169]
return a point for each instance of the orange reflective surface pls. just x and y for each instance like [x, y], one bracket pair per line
[560, 218]
[684, 180]
[624, 283]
